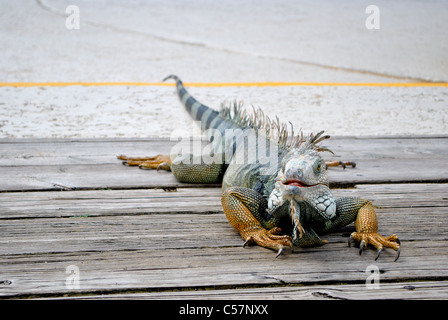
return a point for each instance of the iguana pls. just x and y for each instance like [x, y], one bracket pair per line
[285, 188]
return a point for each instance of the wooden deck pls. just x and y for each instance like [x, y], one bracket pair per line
[69, 210]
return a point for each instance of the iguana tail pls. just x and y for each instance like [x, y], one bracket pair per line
[197, 110]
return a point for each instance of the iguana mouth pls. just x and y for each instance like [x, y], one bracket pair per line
[296, 183]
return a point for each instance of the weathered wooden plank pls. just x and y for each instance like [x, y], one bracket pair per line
[155, 269]
[83, 177]
[133, 219]
[162, 231]
[101, 151]
[103, 215]
[432, 290]
[180, 231]
[426, 197]
[400, 195]
[44, 152]
[116, 176]
[107, 203]
[87, 164]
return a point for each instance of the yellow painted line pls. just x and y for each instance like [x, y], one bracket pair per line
[316, 84]
[223, 84]
[88, 84]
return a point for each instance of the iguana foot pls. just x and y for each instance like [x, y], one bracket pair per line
[240, 206]
[376, 240]
[159, 162]
[267, 238]
[366, 224]
[343, 164]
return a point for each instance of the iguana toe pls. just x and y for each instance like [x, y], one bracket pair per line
[377, 241]
[268, 239]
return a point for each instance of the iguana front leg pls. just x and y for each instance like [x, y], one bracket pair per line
[366, 225]
[362, 212]
[246, 211]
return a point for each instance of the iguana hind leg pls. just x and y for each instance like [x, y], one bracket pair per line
[343, 164]
[245, 210]
[185, 167]
[158, 162]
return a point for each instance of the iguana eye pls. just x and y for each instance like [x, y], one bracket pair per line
[319, 167]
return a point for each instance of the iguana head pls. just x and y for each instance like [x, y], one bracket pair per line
[303, 177]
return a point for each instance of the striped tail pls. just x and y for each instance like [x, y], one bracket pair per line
[197, 110]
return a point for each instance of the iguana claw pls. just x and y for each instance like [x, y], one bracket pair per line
[361, 246]
[249, 240]
[378, 254]
[398, 253]
[279, 252]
